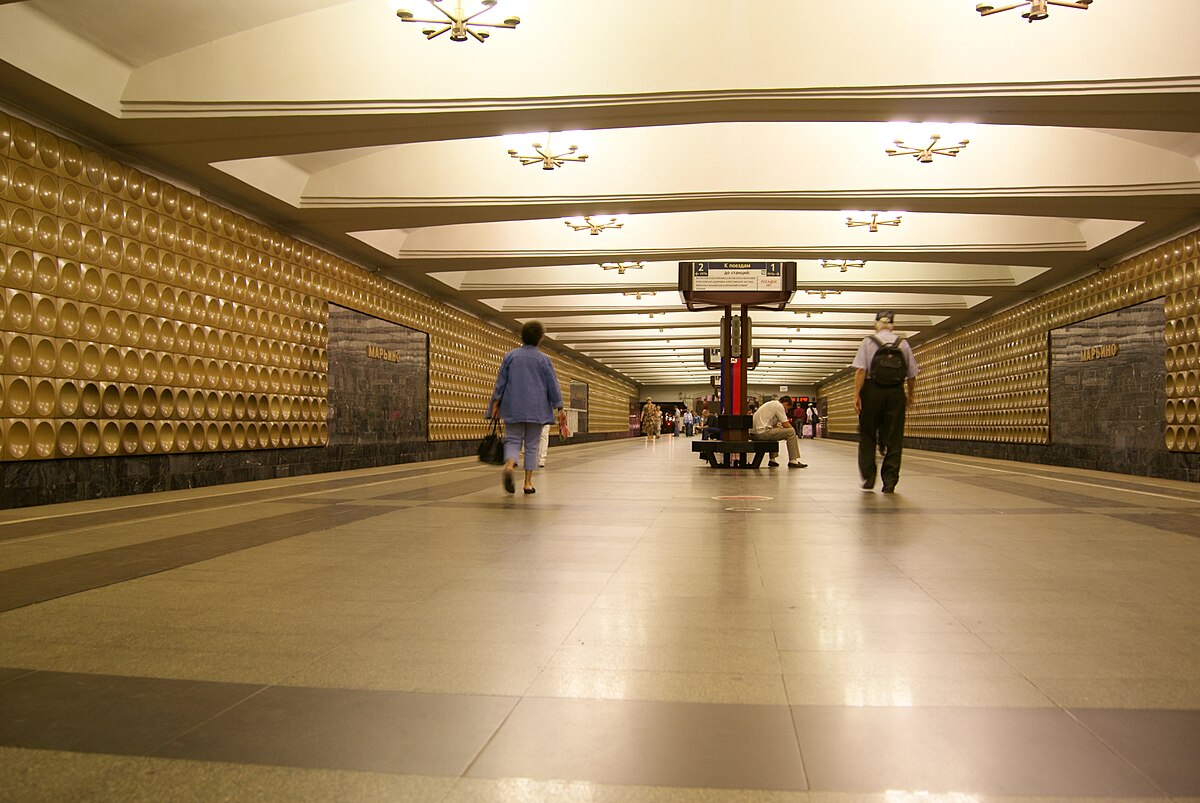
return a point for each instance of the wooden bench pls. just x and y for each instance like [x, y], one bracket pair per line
[709, 450]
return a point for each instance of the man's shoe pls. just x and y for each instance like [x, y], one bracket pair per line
[797, 464]
[773, 464]
[868, 485]
[889, 489]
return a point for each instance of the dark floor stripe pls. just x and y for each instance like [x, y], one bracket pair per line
[1182, 523]
[1001, 751]
[140, 510]
[1043, 493]
[450, 489]
[108, 713]
[287, 726]
[27, 585]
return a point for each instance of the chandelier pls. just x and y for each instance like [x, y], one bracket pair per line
[458, 22]
[925, 155]
[874, 223]
[546, 156]
[621, 267]
[824, 293]
[594, 228]
[1038, 9]
[843, 264]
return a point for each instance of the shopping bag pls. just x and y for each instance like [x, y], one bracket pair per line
[806, 431]
[491, 448]
[564, 431]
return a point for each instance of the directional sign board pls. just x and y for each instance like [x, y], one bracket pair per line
[754, 284]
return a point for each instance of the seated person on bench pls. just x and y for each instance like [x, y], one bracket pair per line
[710, 431]
[771, 424]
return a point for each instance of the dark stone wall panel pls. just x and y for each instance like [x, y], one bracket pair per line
[376, 399]
[1114, 402]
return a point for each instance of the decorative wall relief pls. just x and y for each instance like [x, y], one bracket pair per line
[159, 340]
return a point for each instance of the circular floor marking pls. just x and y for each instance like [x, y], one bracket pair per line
[743, 498]
[742, 509]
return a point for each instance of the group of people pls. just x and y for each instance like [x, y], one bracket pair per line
[527, 397]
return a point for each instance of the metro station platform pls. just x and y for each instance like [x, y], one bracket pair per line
[641, 628]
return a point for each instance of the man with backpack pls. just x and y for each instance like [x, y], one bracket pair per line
[884, 366]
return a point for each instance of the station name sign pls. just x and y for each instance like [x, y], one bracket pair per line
[1099, 352]
[380, 353]
[734, 277]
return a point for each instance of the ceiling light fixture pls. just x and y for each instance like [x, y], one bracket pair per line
[809, 314]
[458, 22]
[621, 267]
[824, 293]
[639, 293]
[546, 156]
[1038, 9]
[843, 264]
[925, 155]
[874, 223]
[594, 228]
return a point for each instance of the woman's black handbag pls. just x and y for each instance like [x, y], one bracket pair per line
[491, 448]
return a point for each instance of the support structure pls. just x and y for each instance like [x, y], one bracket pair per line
[744, 286]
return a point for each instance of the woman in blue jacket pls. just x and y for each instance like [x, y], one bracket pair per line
[526, 398]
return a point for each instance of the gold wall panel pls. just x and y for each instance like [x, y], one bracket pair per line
[990, 381]
[138, 318]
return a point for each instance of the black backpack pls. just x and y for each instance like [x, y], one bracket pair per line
[889, 366]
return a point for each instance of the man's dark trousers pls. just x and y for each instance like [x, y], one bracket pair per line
[881, 422]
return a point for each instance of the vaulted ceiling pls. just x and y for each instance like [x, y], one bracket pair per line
[714, 130]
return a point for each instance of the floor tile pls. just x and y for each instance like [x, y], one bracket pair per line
[1012, 751]
[372, 731]
[1165, 745]
[41, 775]
[105, 713]
[763, 659]
[855, 664]
[527, 790]
[685, 687]
[618, 742]
[924, 692]
[1121, 693]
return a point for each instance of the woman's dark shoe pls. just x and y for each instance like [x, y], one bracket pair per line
[509, 485]
[529, 490]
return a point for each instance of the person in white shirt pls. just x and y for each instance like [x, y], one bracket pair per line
[880, 379]
[771, 423]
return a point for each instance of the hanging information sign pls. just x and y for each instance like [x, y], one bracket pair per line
[766, 285]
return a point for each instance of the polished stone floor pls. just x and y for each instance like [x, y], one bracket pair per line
[643, 628]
